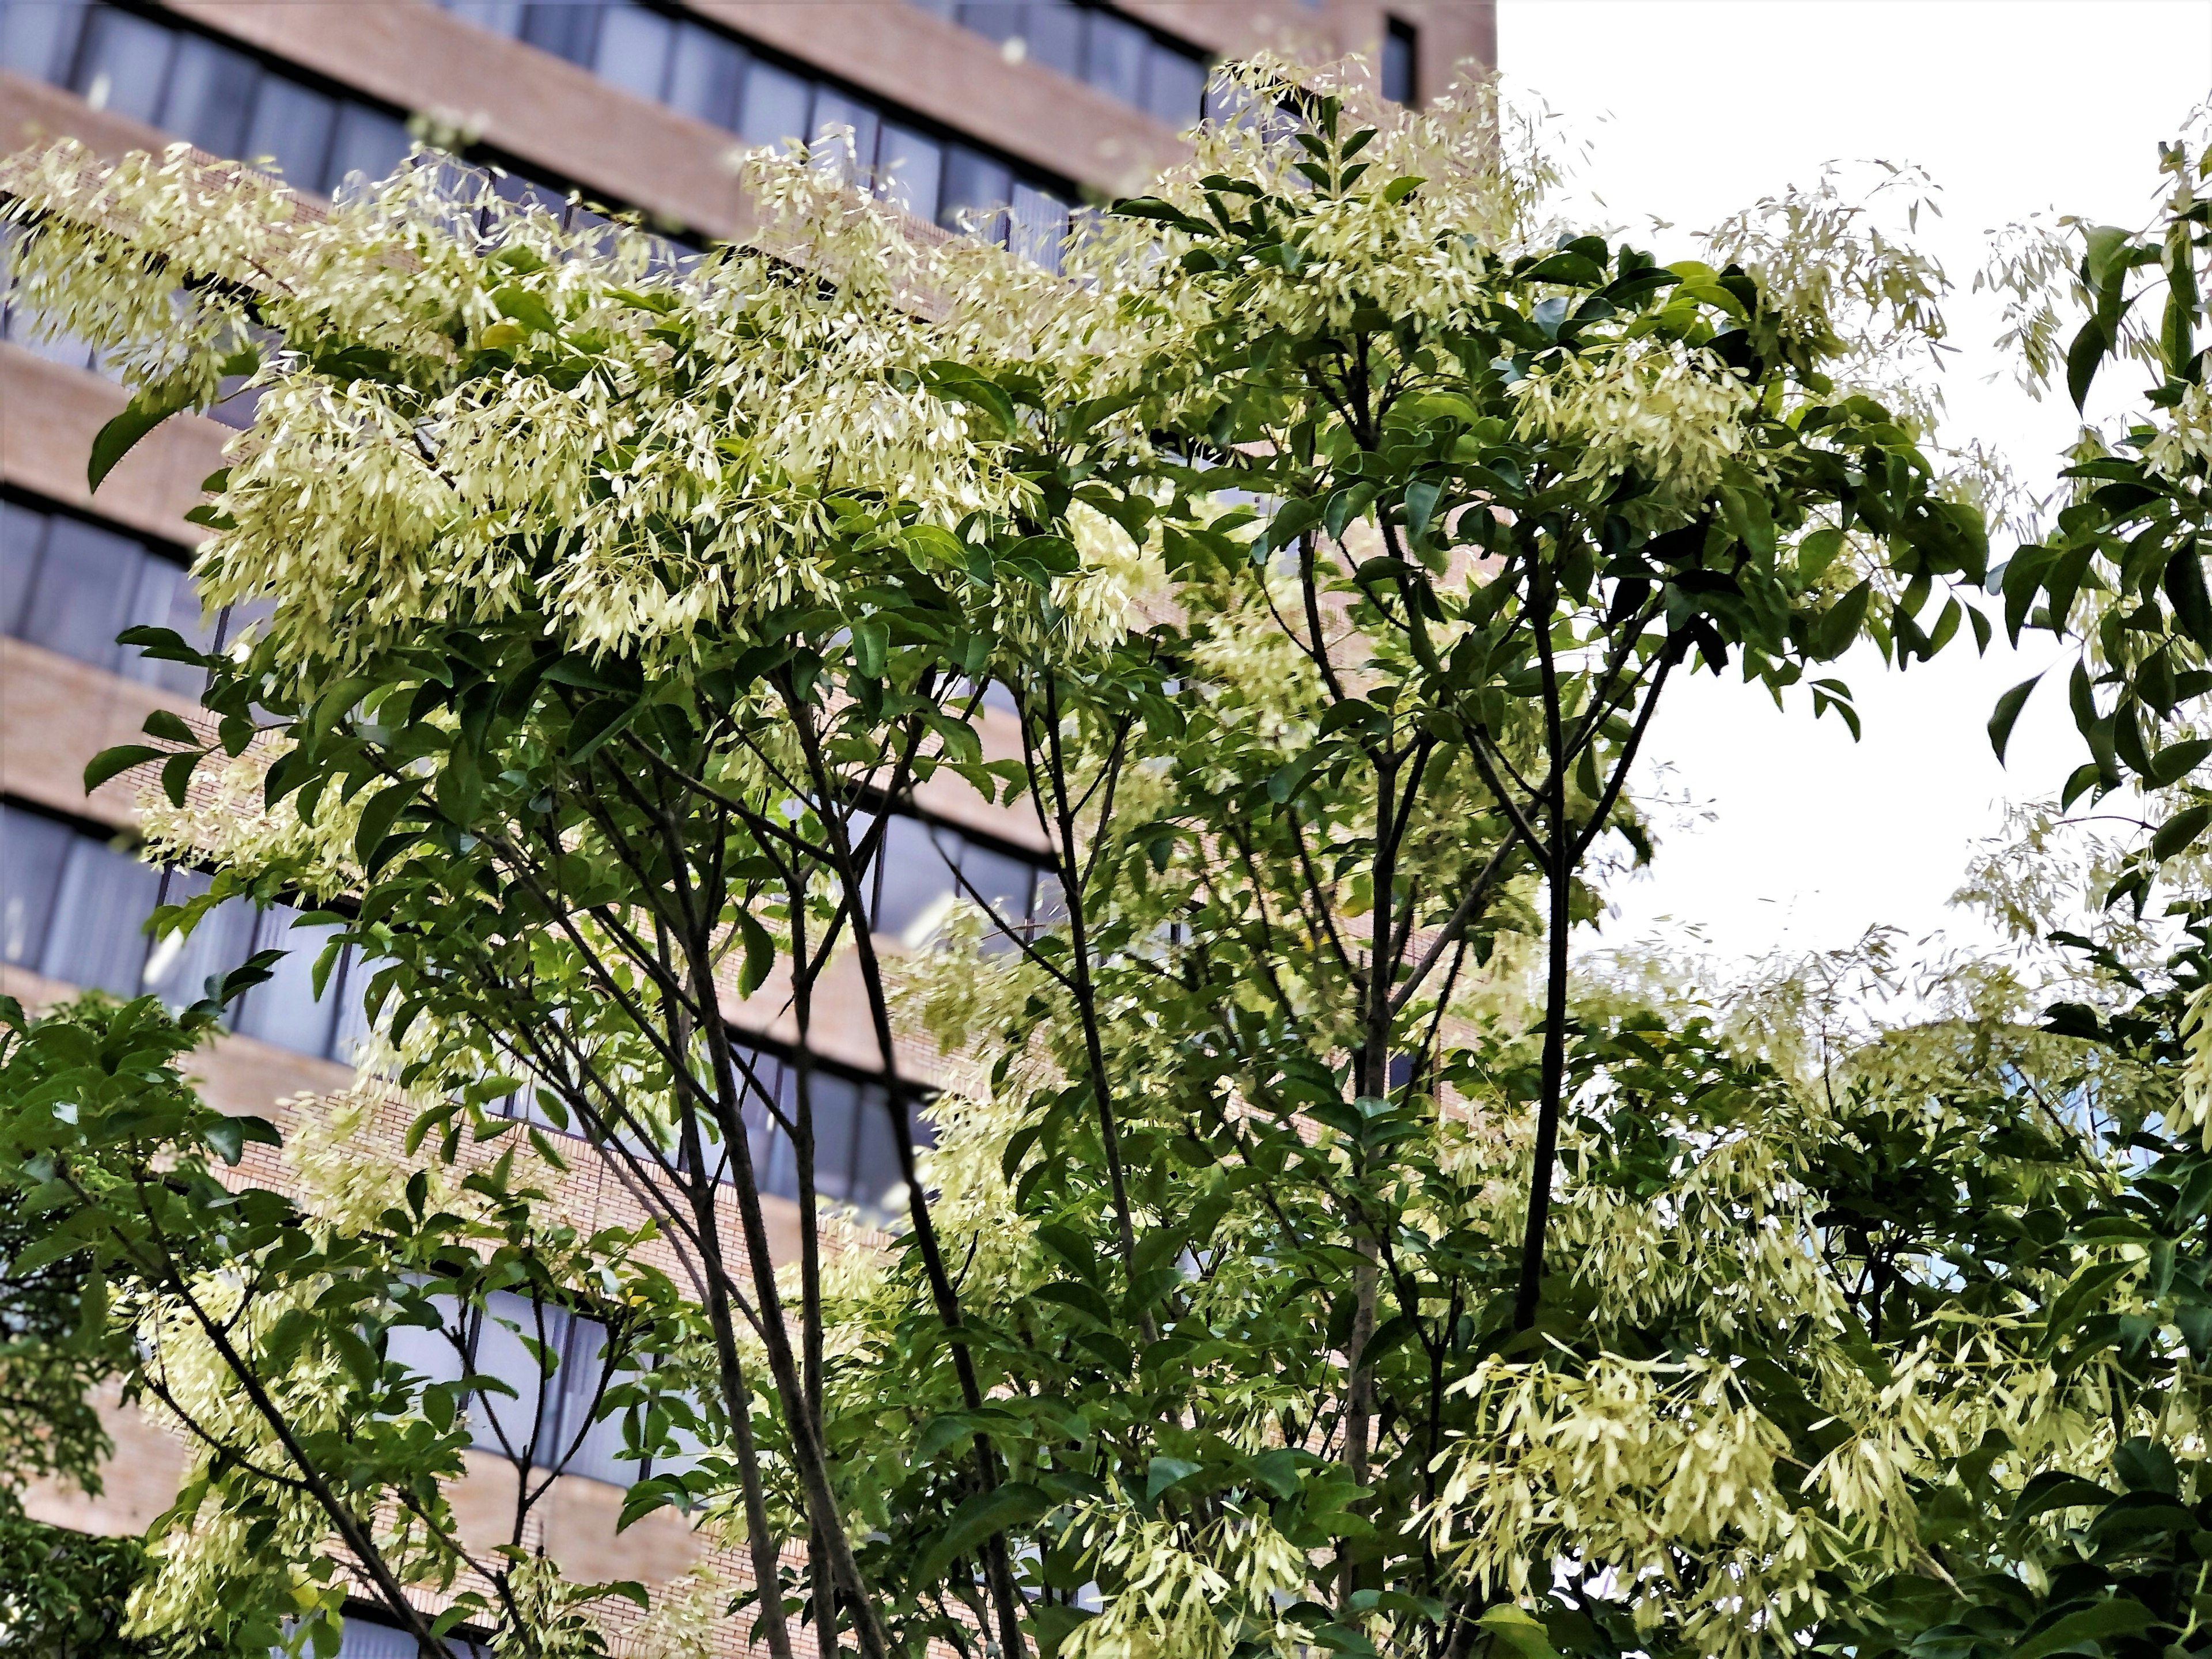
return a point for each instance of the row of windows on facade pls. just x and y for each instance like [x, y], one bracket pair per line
[73, 908]
[554, 1422]
[72, 586]
[213, 95]
[1121, 59]
[856, 1124]
[229, 103]
[365, 1638]
[703, 72]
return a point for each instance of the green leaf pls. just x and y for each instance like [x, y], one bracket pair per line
[1838, 625]
[225, 1136]
[121, 435]
[760, 954]
[1517, 1631]
[114, 762]
[1052, 1623]
[527, 307]
[169, 727]
[597, 723]
[177, 775]
[2122, 1616]
[963, 383]
[1164, 1472]
[984, 1516]
[2083, 358]
[2007, 714]
[872, 644]
[2177, 760]
[2057, 1490]
[2185, 590]
[1399, 189]
[92, 1311]
[1420, 505]
[2177, 832]
[379, 816]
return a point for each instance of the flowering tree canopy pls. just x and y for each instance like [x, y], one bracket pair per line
[1332, 526]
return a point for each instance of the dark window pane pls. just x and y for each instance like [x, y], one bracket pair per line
[33, 851]
[909, 171]
[974, 187]
[166, 599]
[765, 1142]
[996, 20]
[1037, 226]
[1114, 61]
[369, 143]
[632, 52]
[1003, 882]
[1402, 68]
[1049, 905]
[528, 192]
[597, 1442]
[836, 1109]
[210, 93]
[86, 583]
[124, 63]
[22, 533]
[504, 1423]
[103, 901]
[247, 616]
[876, 1178]
[292, 127]
[706, 76]
[178, 967]
[1175, 87]
[833, 110]
[284, 1009]
[1055, 36]
[775, 108]
[499, 16]
[355, 975]
[38, 38]
[917, 884]
[569, 31]
[364, 1640]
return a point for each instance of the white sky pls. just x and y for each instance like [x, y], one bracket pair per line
[1696, 109]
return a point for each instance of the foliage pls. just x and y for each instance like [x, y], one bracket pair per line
[60, 1594]
[2124, 570]
[1334, 532]
[63, 1594]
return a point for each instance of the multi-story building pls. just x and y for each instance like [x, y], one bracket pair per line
[958, 106]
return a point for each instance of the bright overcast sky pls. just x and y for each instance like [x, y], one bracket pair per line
[1697, 109]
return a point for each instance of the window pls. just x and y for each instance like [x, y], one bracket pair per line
[72, 586]
[1119, 56]
[74, 907]
[18, 324]
[856, 1158]
[364, 1639]
[925, 867]
[555, 1362]
[1402, 61]
[684, 63]
[201, 89]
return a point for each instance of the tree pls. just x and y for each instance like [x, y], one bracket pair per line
[60, 1594]
[1334, 531]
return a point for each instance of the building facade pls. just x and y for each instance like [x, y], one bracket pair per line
[958, 108]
